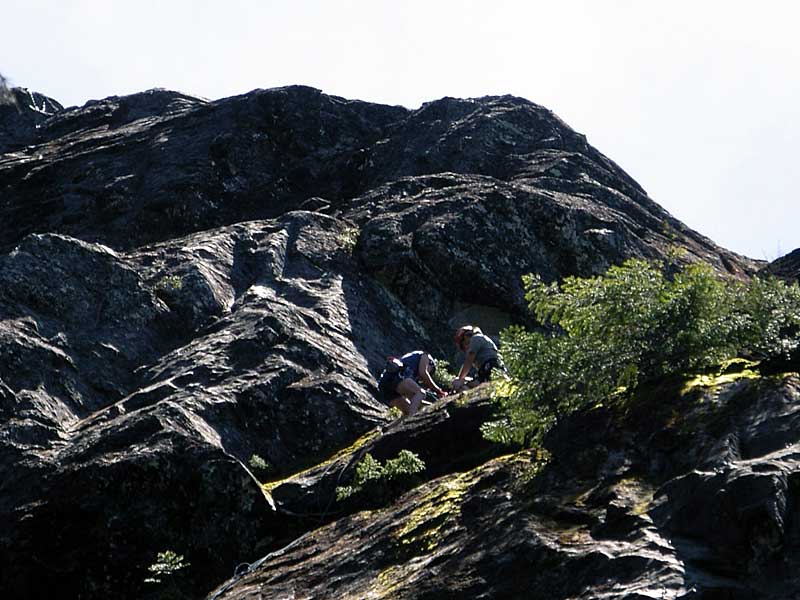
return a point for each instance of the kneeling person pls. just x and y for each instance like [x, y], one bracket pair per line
[480, 352]
[400, 384]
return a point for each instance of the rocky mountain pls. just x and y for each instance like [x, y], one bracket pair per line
[786, 267]
[188, 285]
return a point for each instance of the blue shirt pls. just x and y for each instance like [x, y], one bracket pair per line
[411, 363]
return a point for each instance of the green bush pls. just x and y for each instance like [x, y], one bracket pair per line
[169, 283]
[166, 572]
[348, 239]
[382, 481]
[605, 335]
[259, 465]
[406, 463]
[442, 375]
[167, 564]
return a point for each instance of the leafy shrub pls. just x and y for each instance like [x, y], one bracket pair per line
[169, 283]
[258, 464]
[382, 481]
[406, 463]
[348, 238]
[442, 375]
[772, 328]
[166, 570]
[605, 335]
[167, 564]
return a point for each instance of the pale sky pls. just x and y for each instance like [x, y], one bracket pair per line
[697, 100]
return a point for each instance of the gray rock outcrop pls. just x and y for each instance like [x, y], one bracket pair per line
[786, 267]
[636, 506]
[188, 284]
[21, 114]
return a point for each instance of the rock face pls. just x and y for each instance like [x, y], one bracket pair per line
[187, 285]
[21, 114]
[786, 267]
[157, 374]
[643, 506]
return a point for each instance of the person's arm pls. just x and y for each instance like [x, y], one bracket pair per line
[469, 360]
[425, 376]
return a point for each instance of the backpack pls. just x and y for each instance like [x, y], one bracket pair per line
[393, 365]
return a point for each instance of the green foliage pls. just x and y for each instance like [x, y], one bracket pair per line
[406, 463]
[167, 564]
[169, 283]
[368, 470]
[348, 239]
[442, 376]
[603, 336]
[395, 413]
[258, 464]
[382, 481]
[773, 324]
[500, 432]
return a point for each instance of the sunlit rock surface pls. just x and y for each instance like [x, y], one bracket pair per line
[186, 285]
[632, 504]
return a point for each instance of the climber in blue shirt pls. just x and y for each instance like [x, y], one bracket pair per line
[402, 381]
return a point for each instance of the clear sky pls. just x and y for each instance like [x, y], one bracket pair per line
[696, 99]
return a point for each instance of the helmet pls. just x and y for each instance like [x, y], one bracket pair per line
[463, 332]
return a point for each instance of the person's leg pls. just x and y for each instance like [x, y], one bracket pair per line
[485, 372]
[401, 404]
[407, 406]
[412, 393]
[459, 385]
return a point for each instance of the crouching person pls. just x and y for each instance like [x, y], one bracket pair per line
[480, 352]
[402, 381]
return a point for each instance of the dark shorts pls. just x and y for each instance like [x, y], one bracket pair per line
[387, 384]
[485, 371]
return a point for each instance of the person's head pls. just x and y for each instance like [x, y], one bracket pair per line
[464, 335]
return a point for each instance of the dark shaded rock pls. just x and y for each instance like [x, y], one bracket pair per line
[22, 113]
[137, 169]
[76, 322]
[623, 531]
[118, 494]
[786, 267]
[269, 352]
[168, 315]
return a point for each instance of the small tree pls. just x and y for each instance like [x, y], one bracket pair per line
[164, 571]
[442, 375]
[605, 335]
[382, 481]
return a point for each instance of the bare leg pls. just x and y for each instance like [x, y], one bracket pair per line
[412, 395]
[401, 404]
[460, 387]
[416, 403]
